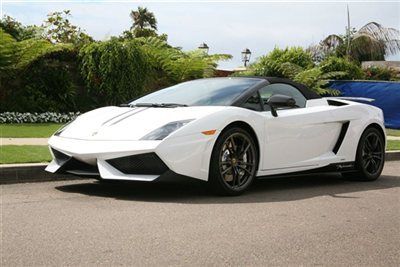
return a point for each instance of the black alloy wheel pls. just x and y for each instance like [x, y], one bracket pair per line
[370, 157]
[234, 162]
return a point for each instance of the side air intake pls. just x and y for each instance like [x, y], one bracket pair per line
[342, 134]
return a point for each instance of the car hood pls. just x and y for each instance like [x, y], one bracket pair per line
[126, 123]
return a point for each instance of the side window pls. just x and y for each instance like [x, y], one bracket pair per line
[282, 89]
[253, 103]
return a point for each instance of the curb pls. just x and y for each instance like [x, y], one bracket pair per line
[27, 173]
[392, 155]
[34, 172]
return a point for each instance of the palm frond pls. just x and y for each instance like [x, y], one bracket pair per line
[332, 41]
[364, 44]
[387, 36]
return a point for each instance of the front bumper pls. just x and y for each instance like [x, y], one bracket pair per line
[187, 155]
[118, 160]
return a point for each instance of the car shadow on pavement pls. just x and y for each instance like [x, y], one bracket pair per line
[191, 191]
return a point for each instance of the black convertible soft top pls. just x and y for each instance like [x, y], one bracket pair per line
[302, 88]
[308, 94]
[263, 81]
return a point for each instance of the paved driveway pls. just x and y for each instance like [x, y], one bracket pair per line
[310, 220]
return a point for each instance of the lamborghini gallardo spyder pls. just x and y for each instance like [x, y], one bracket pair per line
[226, 131]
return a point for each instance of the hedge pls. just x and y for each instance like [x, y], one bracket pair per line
[17, 117]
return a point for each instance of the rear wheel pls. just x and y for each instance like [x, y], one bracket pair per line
[370, 156]
[233, 163]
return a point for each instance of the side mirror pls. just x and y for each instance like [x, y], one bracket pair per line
[280, 101]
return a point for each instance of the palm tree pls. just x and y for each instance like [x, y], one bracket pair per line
[371, 42]
[143, 18]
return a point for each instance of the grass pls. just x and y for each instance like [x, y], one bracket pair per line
[393, 145]
[24, 154]
[392, 132]
[27, 130]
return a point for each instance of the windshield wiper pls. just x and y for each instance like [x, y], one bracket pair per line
[159, 105]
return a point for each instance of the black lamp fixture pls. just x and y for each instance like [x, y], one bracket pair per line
[204, 47]
[246, 54]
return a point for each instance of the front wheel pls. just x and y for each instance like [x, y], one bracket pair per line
[370, 156]
[233, 163]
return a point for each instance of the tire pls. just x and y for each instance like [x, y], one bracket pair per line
[370, 156]
[234, 162]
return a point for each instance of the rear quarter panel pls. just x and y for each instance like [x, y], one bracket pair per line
[360, 117]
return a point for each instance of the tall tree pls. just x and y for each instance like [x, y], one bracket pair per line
[143, 18]
[371, 42]
[144, 24]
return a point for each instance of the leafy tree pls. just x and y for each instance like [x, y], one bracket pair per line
[314, 78]
[114, 71]
[371, 42]
[294, 63]
[172, 65]
[18, 31]
[269, 65]
[35, 75]
[59, 29]
[333, 63]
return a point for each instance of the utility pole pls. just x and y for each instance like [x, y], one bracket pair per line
[348, 32]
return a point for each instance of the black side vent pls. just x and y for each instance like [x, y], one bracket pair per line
[60, 157]
[148, 163]
[342, 134]
[336, 103]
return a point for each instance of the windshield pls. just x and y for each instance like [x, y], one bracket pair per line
[203, 92]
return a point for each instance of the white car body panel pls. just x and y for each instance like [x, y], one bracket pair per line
[297, 140]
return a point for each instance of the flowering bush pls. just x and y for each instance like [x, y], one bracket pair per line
[380, 73]
[17, 117]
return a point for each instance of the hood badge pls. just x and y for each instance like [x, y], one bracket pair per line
[94, 133]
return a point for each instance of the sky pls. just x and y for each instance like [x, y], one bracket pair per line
[225, 26]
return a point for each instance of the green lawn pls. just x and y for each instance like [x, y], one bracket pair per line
[393, 132]
[28, 129]
[24, 154]
[393, 145]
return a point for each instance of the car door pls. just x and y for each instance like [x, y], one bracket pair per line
[298, 138]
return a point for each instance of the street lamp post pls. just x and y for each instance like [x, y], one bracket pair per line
[204, 47]
[246, 54]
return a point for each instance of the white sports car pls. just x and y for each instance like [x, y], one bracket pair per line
[226, 131]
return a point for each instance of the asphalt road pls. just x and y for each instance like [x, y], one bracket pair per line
[309, 220]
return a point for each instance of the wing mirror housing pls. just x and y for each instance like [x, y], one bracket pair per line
[280, 101]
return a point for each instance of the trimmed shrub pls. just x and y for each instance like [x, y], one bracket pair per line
[17, 117]
[332, 64]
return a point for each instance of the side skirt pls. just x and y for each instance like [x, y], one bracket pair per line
[334, 167]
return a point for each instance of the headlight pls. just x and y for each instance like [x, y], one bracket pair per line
[59, 131]
[164, 131]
